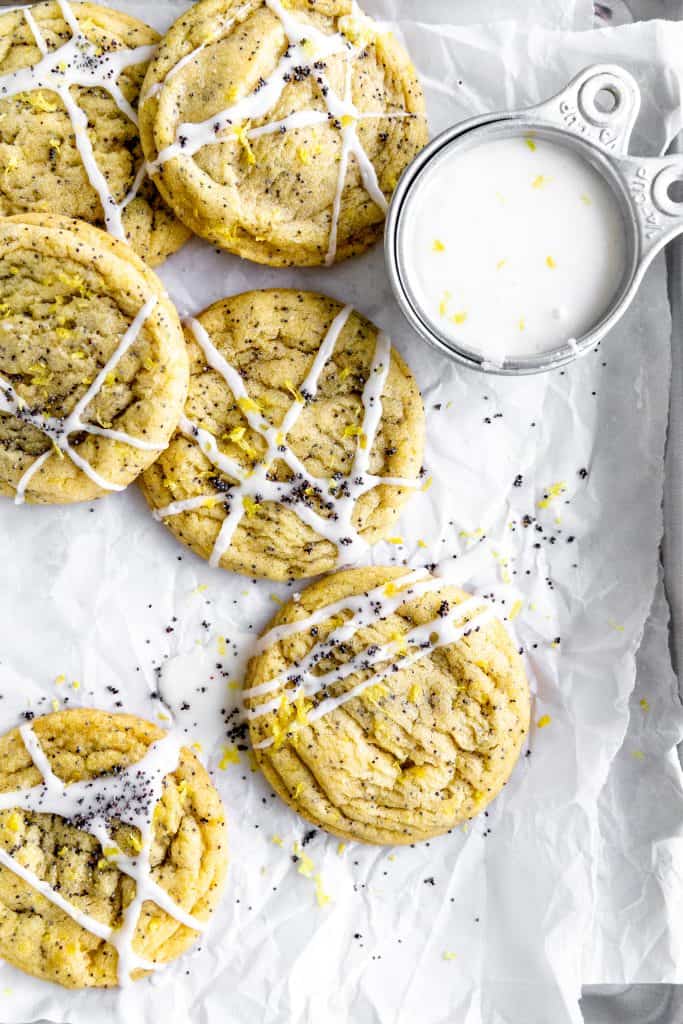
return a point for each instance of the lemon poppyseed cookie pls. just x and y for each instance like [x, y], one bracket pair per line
[93, 364]
[70, 76]
[112, 848]
[386, 705]
[301, 439]
[279, 130]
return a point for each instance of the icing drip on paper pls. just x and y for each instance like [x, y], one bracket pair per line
[337, 496]
[397, 655]
[130, 796]
[302, 38]
[58, 430]
[78, 62]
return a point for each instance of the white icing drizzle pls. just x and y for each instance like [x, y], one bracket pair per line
[340, 111]
[59, 430]
[132, 796]
[396, 655]
[338, 496]
[78, 62]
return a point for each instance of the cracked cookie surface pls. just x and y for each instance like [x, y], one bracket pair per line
[428, 742]
[187, 854]
[240, 487]
[44, 169]
[279, 131]
[69, 296]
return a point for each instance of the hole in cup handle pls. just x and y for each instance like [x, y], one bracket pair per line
[601, 104]
[656, 188]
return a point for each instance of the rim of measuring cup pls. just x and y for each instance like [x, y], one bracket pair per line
[504, 125]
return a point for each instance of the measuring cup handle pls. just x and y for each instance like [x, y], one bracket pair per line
[601, 104]
[656, 188]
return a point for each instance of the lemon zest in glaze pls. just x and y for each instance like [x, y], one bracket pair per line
[341, 847]
[639, 755]
[500, 264]
[472, 534]
[61, 678]
[421, 544]
[644, 704]
[277, 840]
[539, 181]
[230, 756]
[551, 493]
[395, 540]
[448, 955]
[414, 693]
[459, 318]
[543, 721]
[521, 324]
[347, 120]
[615, 625]
[222, 648]
[531, 144]
[75, 685]
[236, 435]
[438, 246]
[516, 609]
[550, 263]
[586, 199]
[443, 304]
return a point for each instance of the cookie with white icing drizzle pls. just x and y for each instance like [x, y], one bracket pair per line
[302, 437]
[278, 129]
[93, 364]
[386, 705]
[70, 77]
[112, 848]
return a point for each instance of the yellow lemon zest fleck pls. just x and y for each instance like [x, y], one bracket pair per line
[421, 544]
[346, 120]
[644, 704]
[248, 405]
[615, 625]
[459, 318]
[346, 372]
[230, 756]
[639, 755]
[321, 896]
[358, 30]
[552, 492]
[14, 822]
[438, 245]
[340, 848]
[521, 324]
[395, 540]
[236, 435]
[473, 534]
[222, 649]
[240, 133]
[305, 867]
[294, 392]
[276, 840]
[75, 685]
[374, 693]
[550, 263]
[543, 721]
[304, 155]
[111, 851]
[539, 181]
[40, 374]
[352, 431]
[414, 693]
[55, 704]
[39, 102]
[531, 144]
[448, 955]
[61, 678]
[443, 305]
[516, 609]
[250, 506]
[197, 746]
[500, 264]
[586, 199]
[297, 790]
[135, 843]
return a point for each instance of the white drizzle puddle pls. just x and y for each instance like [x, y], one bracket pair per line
[340, 110]
[59, 430]
[338, 496]
[78, 62]
[131, 796]
[417, 643]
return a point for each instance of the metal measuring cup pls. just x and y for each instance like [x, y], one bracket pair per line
[593, 117]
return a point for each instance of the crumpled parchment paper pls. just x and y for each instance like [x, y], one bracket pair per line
[573, 875]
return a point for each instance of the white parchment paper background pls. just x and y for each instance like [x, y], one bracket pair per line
[574, 875]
